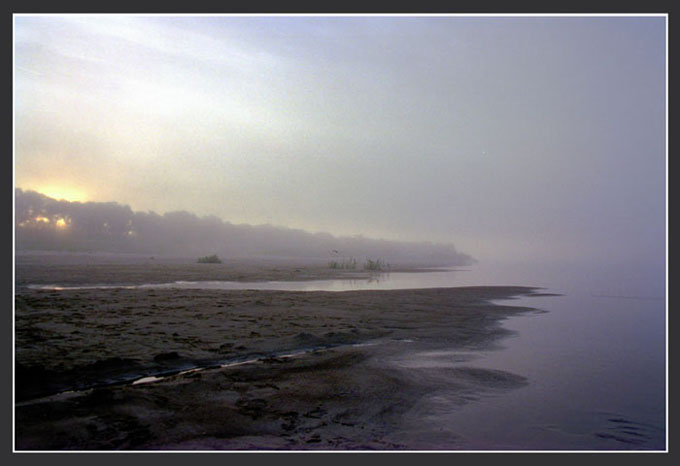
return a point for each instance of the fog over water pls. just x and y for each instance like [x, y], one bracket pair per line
[524, 139]
[515, 150]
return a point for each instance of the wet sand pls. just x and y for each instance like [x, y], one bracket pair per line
[323, 370]
[94, 269]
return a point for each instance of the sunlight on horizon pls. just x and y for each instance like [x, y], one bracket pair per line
[65, 193]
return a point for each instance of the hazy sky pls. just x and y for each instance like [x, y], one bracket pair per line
[532, 138]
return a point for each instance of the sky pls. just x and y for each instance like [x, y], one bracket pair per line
[520, 138]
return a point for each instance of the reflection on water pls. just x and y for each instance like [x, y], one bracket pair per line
[597, 281]
[377, 281]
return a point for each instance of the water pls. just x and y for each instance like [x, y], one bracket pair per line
[595, 363]
[596, 373]
[377, 281]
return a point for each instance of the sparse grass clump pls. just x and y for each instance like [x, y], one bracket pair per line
[350, 264]
[209, 260]
[376, 265]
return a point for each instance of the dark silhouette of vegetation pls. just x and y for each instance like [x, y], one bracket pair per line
[378, 264]
[209, 260]
[350, 263]
[46, 224]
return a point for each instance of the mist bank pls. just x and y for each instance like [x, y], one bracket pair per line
[44, 223]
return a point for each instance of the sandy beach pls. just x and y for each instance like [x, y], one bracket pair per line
[169, 369]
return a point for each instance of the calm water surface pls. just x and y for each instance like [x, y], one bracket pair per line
[595, 363]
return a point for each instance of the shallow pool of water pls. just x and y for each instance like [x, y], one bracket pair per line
[379, 281]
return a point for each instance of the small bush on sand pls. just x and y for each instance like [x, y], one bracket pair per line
[375, 264]
[209, 260]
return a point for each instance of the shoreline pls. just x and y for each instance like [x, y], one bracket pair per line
[342, 393]
[116, 368]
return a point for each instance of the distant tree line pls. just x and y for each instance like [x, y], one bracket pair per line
[43, 223]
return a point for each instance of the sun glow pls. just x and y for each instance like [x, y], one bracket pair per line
[63, 193]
